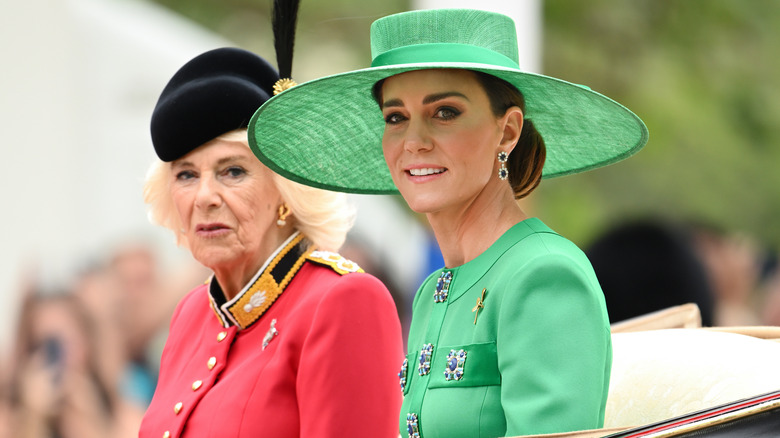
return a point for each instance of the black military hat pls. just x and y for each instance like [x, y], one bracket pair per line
[216, 92]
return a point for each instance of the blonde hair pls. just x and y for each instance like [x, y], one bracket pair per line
[324, 217]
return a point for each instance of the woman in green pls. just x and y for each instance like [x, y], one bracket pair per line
[512, 336]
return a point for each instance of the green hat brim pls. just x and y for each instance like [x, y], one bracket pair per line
[327, 133]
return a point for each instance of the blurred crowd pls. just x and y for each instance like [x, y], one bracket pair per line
[86, 350]
[85, 355]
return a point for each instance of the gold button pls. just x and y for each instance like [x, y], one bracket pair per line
[167, 434]
[177, 407]
[221, 336]
[196, 385]
[212, 362]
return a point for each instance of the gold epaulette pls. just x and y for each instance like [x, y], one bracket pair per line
[335, 261]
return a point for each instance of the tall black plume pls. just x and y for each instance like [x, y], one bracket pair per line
[285, 16]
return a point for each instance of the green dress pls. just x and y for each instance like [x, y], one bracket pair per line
[536, 361]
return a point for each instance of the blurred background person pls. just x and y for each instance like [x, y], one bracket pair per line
[146, 298]
[770, 292]
[58, 387]
[648, 265]
[734, 263]
[132, 295]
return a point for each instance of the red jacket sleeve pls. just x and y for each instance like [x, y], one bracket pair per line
[347, 381]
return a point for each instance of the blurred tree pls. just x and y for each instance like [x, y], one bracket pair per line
[705, 78]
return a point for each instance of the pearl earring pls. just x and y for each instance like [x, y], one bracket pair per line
[284, 212]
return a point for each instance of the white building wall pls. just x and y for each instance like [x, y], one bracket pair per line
[79, 81]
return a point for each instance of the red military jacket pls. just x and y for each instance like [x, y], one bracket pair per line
[309, 348]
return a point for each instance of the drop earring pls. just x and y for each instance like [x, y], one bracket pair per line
[284, 212]
[503, 172]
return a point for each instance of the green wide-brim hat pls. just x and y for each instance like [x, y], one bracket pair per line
[327, 133]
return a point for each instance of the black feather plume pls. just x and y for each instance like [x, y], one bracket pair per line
[285, 16]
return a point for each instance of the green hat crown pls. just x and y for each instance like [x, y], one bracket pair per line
[448, 35]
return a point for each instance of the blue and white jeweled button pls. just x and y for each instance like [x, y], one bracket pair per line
[412, 426]
[425, 359]
[402, 374]
[442, 287]
[455, 362]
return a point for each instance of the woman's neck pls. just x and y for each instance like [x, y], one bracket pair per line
[466, 233]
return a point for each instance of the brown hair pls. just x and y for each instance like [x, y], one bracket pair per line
[527, 158]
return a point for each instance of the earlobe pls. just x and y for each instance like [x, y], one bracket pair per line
[512, 123]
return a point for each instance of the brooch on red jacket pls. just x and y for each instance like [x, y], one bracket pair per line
[271, 334]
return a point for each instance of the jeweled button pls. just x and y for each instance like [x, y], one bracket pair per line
[442, 287]
[196, 385]
[455, 362]
[177, 407]
[425, 359]
[212, 362]
[403, 373]
[167, 434]
[412, 425]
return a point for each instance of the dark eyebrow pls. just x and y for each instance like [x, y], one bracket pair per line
[392, 102]
[434, 97]
[428, 99]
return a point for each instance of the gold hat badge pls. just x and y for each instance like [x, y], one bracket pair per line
[283, 84]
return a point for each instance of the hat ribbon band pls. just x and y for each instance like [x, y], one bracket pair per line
[442, 52]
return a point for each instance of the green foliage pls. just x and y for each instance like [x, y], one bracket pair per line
[705, 78]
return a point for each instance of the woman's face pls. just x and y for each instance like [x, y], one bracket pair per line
[227, 203]
[441, 138]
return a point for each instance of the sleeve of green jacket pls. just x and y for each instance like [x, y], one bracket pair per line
[554, 351]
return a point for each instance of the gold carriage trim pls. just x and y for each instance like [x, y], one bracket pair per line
[283, 84]
[335, 261]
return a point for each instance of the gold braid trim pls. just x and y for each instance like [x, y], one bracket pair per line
[266, 289]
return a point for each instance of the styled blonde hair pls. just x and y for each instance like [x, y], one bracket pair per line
[324, 217]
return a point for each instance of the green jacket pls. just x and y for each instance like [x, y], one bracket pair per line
[536, 361]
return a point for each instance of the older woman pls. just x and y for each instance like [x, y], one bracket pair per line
[512, 336]
[285, 339]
